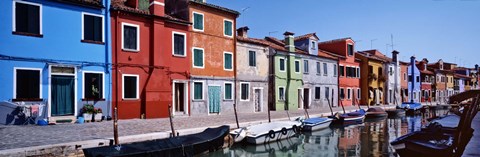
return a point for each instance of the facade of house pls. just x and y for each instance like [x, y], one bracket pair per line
[414, 84]
[372, 87]
[348, 69]
[59, 78]
[149, 52]
[320, 76]
[252, 68]
[440, 86]
[427, 78]
[213, 40]
[403, 81]
[450, 74]
[392, 85]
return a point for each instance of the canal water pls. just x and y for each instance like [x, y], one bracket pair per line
[371, 138]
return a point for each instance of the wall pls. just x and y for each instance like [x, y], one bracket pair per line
[312, 80]
[416, 85]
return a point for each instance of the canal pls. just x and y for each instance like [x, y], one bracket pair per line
[371, 138]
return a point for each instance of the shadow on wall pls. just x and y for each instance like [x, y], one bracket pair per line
[13, 114]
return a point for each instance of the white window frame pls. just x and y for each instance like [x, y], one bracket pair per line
[103, 82]
[233, 32]
[203, 90]
[184, 45]
[225, 52]
[278, 91]
[138, 37]
[193, 57]
[295, 66]
[193, 22]
[241, 91]
[103, 24]
[123, 87]
[325, 72]
[359, 93]
[40, 8]
[15, 80]
[318, 65]
[284, 64]
[225, 91]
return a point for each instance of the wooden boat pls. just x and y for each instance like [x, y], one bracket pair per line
[434, 141]
[269, 132]
[209, 140]
[350, 118]
[313, 124]
[411, 107]
[375, 112]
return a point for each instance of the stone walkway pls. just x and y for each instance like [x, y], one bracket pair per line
[30, 135]
[473, 147]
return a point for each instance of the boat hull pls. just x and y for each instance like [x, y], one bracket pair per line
[267, 138]
[314, 127]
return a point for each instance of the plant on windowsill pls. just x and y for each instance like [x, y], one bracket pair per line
[382, 78]
[372, 77]
[98, 114]
[87, 111]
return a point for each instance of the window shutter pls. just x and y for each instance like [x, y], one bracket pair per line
[228, 91]
[97, 29]
[228, 61]
[198, 57]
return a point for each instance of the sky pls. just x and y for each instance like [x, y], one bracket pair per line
[432, 29]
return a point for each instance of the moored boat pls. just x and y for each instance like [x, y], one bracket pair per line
[273, 131]
[209, 140]
[375, 112]
[350, 118]
[318, 123]
[411, 107]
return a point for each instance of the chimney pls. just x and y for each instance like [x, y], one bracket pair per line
[395, 55]
[289, 43]
[243, 32]
[132, 3]
[157, 7]
[412, 76]
[476, 67]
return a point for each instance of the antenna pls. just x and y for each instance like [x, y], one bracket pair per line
[243, 13]
[272, 32]
[391, 37]
[371, 43]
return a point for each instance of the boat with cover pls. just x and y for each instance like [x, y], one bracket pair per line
[435, 140]
[375, 112]
[268, 132]
[411, 107]
[189, 145]
[318, 123]
[350, 118]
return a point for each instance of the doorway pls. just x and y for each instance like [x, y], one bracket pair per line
[306, 98]
[180, 98]
[62, 91]
[258, 99]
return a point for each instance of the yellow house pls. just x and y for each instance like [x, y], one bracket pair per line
[373, 78]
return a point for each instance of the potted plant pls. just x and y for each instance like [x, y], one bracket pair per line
[371, 77]
[88, 111]
[382, 78]
[98, 114]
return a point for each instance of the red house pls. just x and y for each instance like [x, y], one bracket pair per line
[151, 58]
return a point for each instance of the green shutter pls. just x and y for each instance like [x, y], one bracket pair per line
[198, 57]
[228, 28]
[198, 21]
[198, 90]
[228, 61]
[228, 91]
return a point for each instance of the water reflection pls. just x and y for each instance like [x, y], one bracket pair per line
[371, 138]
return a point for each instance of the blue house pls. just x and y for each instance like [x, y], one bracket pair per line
[414, 83]
[55, 57]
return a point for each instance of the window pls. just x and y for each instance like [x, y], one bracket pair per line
[228, 61]
[281, 93]
[197, 90]
[27, 18]
[130, 86]
[317, 93]
[391, 71]
[313, 45]
[130, 37]
[342, 69]
[370, 69]
[354, 72]
[327, 93]
[198, 58]
[358, 93]
[297, 66]
[380, 71]
[318, 68]
[342, 93]
[244, 91]
[27, 84]
[334, 70]
[179, 44]
[197, 21]
[417, 79]
[252, 58]
[305, 66]
[93, 85]
[350, 50]
[282, 64]
[404, 76]
[325, 69]
[228, 28]
[92, 27]
[409, 78]
[228, 91]
[349, 93]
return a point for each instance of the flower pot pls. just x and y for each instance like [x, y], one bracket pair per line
[87, 117]
[98, 117]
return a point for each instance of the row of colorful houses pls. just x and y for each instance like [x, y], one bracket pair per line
[142, 56]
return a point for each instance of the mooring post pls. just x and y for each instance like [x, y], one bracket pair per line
[171, 121]
[236, 116]
[115, 126]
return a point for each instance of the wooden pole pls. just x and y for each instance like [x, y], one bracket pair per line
[170, 117]
[343, 108]
[236, 116]
[329, 105]
[115, 127]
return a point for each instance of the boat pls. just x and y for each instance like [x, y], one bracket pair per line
[350, 118]
[188, 145]
[375, 112]
[395, 112]
[411, 107]
[318, 123]
[437, 141]
[269, 132]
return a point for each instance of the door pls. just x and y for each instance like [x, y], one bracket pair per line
[300, 98]
[214, 99]
[179, 97]
[258, 100]
[306, 98]
[62, 95]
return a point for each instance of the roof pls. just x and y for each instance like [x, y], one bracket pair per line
[461, 76]
[252, 41]
[375, 54]
[87, 3]
[236, 13]
[278, 44]
[335, 40]
[332, 54]
[120, 5]
[306, 36]
[428, 72]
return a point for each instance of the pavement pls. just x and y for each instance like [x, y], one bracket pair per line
[473, 147]
[69, 139]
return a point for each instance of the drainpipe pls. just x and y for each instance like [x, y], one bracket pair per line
[289, 45]
[412, 62]
[108, 52]
[235, 71]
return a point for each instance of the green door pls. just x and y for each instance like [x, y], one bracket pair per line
[214, 99]
[63, 95]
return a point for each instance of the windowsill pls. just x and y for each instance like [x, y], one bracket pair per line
[228, 36]
[246, 100]
[281, 100]
[228, 69]
[27, 99]
[93, 99]
[130, 99]
[92, 42]
[28, 34]
[130, 50]
[227, 99]
[182, 56]
[198, 100]
[198, 30]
